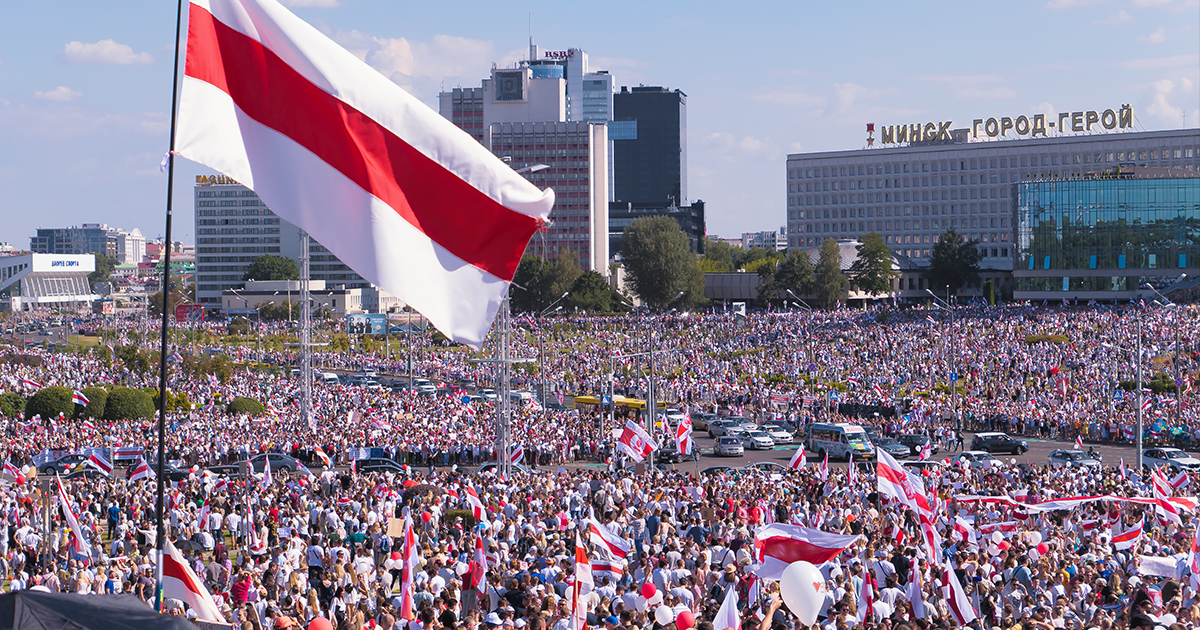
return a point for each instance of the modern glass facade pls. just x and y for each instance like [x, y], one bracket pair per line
[1101, 238]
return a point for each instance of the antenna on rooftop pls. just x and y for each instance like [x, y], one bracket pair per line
[532, 46]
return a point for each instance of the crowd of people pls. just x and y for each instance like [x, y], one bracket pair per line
[328, 547]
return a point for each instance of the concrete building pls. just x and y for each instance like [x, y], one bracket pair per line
[339, 299]
[233, 227]
[690, 219]
[961, 179]
[523, 115]
[91, 238]
[47, 280]
[773, 240]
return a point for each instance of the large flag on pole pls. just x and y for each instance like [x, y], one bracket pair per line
[777, 545]
[394, 190]
[78, 544]
[180, 582]
[409, 556]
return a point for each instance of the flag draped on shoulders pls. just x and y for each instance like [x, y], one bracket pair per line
[393, 189]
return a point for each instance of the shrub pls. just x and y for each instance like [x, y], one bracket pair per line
[126, 403]
[11, 404]
[48, 402]
[245, 405]
[176, 401]
[989, 292]
[97, 399]
[28, 360]
[1046, 339]
[468, 517]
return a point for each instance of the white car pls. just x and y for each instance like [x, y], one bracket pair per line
[1172, 458]
[674, 416]
[728, 447]
[978, 459]
[735, 431]
[489, 395]
[778, 433]
[757, 440]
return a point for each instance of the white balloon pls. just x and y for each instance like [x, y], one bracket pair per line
[803, 590]
[997, 537]
[1035, 538]
[461, 568]
[642, 603]
[664, 615]
[656, 599]
[993, 549]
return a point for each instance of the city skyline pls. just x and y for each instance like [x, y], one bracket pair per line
[85, 93]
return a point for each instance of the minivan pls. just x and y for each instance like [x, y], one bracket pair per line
[839, 440]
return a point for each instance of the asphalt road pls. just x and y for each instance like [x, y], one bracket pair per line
[1039, 452]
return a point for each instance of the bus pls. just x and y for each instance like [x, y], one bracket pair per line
[839, 441]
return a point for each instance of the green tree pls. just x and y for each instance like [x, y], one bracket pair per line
[954, 262]
[246, 405]
[126, 403]
[829, 283]
[540, 282]
[268, 267]
[872, 271]
[11, 404]
[49, 402]
[660, 262]
[592, 293]
[104, 268]
[989, 292]
[97, 398]
[794, 273]
[718, 256]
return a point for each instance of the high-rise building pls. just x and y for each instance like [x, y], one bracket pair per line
[649, 134]
[127, 247]
[523, 115]
[774, 240]
[233, 227]
[690, 219]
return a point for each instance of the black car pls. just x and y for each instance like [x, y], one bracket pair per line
[172, 473]
[62, 464]
[892, 447]
[668, 453]
[378, 465]
[279, 462]
[998, 443]
[916, 442]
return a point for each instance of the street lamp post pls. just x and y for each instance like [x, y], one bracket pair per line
[1174, 357]
[652, 390]
[953, 383]
[1140, 394]
[542, 362]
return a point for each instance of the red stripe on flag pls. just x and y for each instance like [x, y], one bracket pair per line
[791, 550]
[451, 212]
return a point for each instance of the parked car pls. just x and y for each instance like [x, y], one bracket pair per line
[998, 443]
[62, 464]
[778, 433]
[378, 465]
[521, 468]
[769, 467]
[978, 459]
[1172, 458]
[922, 466]
[718, 470]
[728, 447]
[916, 442]
[757, 440]
[718, 427]
[1073, 459]
[700, 421]
[668, 453]
[892, 447]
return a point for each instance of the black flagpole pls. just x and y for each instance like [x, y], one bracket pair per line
[160, 512]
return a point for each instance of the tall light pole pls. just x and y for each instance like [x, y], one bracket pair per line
[651, 391]
[1174, 357]
[1140, 412]
[807, 338]
[542, 362]
[953, 383]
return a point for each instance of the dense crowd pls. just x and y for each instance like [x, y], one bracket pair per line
[294, 548]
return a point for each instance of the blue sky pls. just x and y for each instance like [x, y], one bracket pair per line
[85, 86]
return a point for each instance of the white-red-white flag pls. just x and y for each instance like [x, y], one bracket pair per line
[727, 616]
[320, 453]
[1181, 480]
[683, 436]
[916, 595]
[798, 459]
[397, 192]
[518, 454]
[97, 461]
[956, 598]
[31, 384]
[474, 502]
[635, 442]
[141, 471]
[606, 540]
[79, 399]
[1078, 443]
[1129, 538]
[866, 599]
[180, 582]
[1194, 553]
[777, 545]
[14, 473]
[408, 571]
[479, 567]
[78, 543]
[267, 478]
[824, 470]
[580, 588]
[964, 531]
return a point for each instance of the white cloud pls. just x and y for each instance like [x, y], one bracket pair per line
[787, 96]
[1072, 4]
[60, 93]
[737, 150]
[104, 51]
[1157, 37]
[1176, 61]
[795, 147]
[845, 94]
[421, 67]
[1161, 109]
[1150, 3]
[317, 4]
[1120, 17]
[1043, 108]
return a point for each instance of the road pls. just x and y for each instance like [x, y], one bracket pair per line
[1039, 451]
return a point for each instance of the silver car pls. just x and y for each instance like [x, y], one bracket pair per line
[728, 447]
[1172, 458]
[778, 433]
[1073, 459]
[757, 440]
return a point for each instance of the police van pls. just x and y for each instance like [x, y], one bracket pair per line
[839, 441]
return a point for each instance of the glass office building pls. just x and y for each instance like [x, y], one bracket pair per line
[1103, 237]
